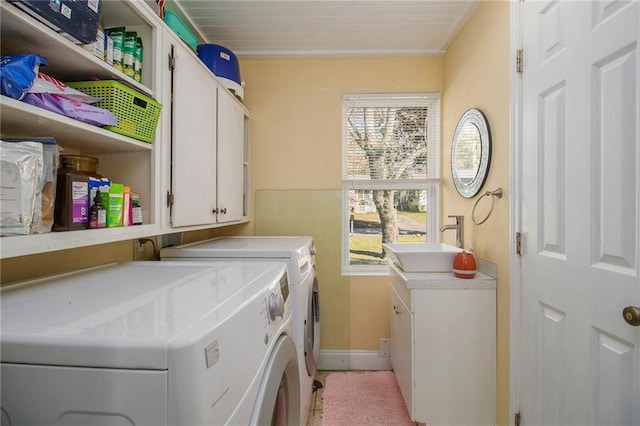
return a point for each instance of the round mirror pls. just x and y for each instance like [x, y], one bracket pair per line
[470, 153]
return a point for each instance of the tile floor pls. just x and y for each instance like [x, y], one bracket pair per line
[315, 407]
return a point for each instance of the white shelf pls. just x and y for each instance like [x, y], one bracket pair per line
[21, 245]
[20, 119]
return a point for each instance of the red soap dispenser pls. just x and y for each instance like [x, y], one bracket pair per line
[464, 264]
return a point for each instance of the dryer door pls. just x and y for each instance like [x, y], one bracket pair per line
[278, 400]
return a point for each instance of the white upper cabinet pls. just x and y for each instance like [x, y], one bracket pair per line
[208, 144]
[193, 138]
[232, 185]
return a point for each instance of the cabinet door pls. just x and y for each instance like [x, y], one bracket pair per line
[455, 352]
[402, 348]
[193, 137]
[231, 157]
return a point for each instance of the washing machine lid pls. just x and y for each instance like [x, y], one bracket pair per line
[126, 315]
[237, 247]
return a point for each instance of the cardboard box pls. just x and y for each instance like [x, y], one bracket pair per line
[77, 20]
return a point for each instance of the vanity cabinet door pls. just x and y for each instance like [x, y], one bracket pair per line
[402, 347]
[455, 351]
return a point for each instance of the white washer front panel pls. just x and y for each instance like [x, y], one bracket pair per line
[126, 315]
[42, 395]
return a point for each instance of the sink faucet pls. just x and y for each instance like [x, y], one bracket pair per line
[457, 227]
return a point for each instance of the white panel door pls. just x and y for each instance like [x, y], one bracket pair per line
[579, 359]
[193, 149]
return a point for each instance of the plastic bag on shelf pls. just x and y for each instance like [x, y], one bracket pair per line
[17, 74]
[21, 175]
[46, 84]
[45, 194]
[77, 110]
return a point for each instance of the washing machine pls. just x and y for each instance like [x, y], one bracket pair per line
[299, 254]
[151, 343]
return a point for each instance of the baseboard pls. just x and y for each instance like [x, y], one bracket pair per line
[352, 360]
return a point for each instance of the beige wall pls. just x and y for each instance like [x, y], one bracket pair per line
[296, 106]
[296, 158]
[58, 262]
[476, 75]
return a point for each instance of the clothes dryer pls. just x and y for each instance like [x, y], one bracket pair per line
[299, 254]
[151, 343]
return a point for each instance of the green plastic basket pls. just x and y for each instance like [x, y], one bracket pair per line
[137, 114]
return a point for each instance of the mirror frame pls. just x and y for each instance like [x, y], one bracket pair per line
[473, 117]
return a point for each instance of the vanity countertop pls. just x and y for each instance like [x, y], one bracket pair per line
[443, 280]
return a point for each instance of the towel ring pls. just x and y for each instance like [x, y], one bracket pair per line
[496, 193]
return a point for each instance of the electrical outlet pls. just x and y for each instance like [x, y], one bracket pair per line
[138, 250]
[142, 250]
[385, 348]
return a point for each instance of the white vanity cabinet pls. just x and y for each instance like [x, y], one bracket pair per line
[443, 346]
[121, 158]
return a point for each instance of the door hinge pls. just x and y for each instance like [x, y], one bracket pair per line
[169, 199]
[172, 60]
[519, 243]
[519, 61]
[517, 419]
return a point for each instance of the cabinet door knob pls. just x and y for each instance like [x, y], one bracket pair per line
[223, 210]
[631, 315]
[214, 211]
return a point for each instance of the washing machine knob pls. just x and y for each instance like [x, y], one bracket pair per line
[276, 306]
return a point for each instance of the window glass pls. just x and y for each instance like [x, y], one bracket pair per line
[365, 231]
[390, 174]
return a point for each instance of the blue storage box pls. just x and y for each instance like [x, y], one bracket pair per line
[224, 64]
[76, 20]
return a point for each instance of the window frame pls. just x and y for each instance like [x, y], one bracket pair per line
[431, 183]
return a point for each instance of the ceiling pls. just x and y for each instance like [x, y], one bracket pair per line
[266, 28]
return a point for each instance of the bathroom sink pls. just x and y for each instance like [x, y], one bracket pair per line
[422, 257]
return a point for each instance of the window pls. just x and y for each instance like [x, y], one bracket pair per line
[390, 175]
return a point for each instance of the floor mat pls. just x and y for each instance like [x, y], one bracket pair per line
[368, 398]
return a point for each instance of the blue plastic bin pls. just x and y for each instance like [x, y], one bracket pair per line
[221, 61]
